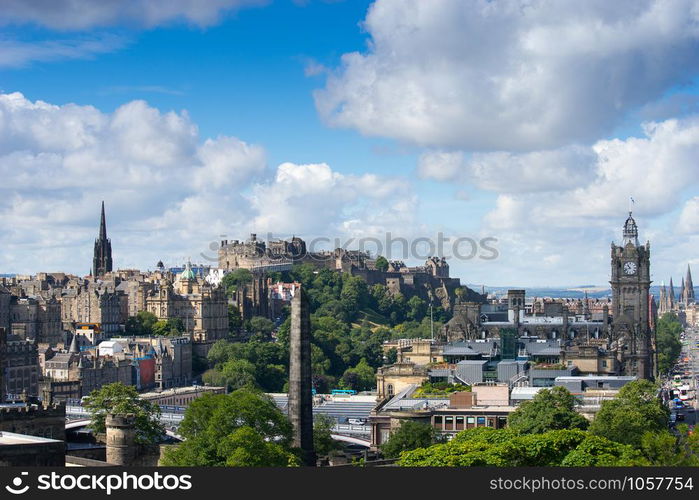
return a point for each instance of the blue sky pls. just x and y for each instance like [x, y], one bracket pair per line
[532, 125]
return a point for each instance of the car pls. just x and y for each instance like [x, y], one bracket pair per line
[356, 421]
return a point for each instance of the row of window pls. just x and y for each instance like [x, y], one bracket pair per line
[459, 423]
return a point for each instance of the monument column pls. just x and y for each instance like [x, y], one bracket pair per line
[300, 396]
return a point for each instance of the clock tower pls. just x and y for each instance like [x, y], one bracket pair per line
[630, 280]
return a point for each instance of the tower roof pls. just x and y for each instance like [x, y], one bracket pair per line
[187, 274]
[74, 345]
[103, 224]
[630, 231]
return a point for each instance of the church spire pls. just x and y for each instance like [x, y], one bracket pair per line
[688, 287]
[103, 225]
[671, 293]
[102, 259]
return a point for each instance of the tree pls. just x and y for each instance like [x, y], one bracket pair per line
[245, 447]
[234, 320]
[231, 429]
[359, 378]
[238, 373]
[669, 346]
[121, 399]
[409, 436]
[550, 409]
[234, 279]
[354, 295]
[172, 326]
[141, 324]
[381, 263]
[636, 410]
[417, 308]
[323, 442]
[505, 448]
[671, 450]
[261, 325]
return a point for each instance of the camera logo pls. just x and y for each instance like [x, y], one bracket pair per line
[17, 483]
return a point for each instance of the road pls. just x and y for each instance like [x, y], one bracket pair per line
[688, 369]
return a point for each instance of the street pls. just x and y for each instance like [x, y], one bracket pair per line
[682, 384]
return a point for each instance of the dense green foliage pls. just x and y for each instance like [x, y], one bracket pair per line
[440, 389]
[667, 449]
[636, 410]
[243, 428]
[350, 321]
[409, 436]
[141, 324]
[551, 409]
[323, 443]
[234, 279]
[506, 448]
[667, 339]
[121, 399]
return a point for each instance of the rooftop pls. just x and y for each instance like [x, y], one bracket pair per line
[11, 438]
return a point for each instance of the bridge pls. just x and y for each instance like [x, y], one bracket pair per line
[169, 419]
[83, 422]
[76, 417]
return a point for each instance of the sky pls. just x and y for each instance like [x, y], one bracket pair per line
[516, 133]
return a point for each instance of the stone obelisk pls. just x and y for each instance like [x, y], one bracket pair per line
[300, 396]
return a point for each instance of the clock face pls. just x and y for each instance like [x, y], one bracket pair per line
[630, 268]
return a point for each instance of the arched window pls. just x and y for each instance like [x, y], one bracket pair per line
[390, 390]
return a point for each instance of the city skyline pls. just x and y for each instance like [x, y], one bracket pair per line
[295, 118]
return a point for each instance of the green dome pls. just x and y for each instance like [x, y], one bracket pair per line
[187, 274]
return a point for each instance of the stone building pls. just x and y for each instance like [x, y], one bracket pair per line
[5, 299]
[172, 358]
[28, 416]
[36, 318]
[485, 406]
[202, 308]
[97, 303]
[21, 367]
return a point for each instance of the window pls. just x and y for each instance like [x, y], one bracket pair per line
[480, 421]
[448, 423]
[389, 390]
[460, 423]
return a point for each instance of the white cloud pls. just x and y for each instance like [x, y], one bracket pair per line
[86, 14]
[525, 75]
[169, 194]
[585, 185]
[511, 173]
[688, 222]
[567, 231]
[313, 199]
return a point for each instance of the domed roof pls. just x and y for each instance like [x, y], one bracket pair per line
[187, 274]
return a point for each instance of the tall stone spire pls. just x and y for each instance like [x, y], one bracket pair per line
[688, 287]
[662, 303]
[671, 293]
[102, 259]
